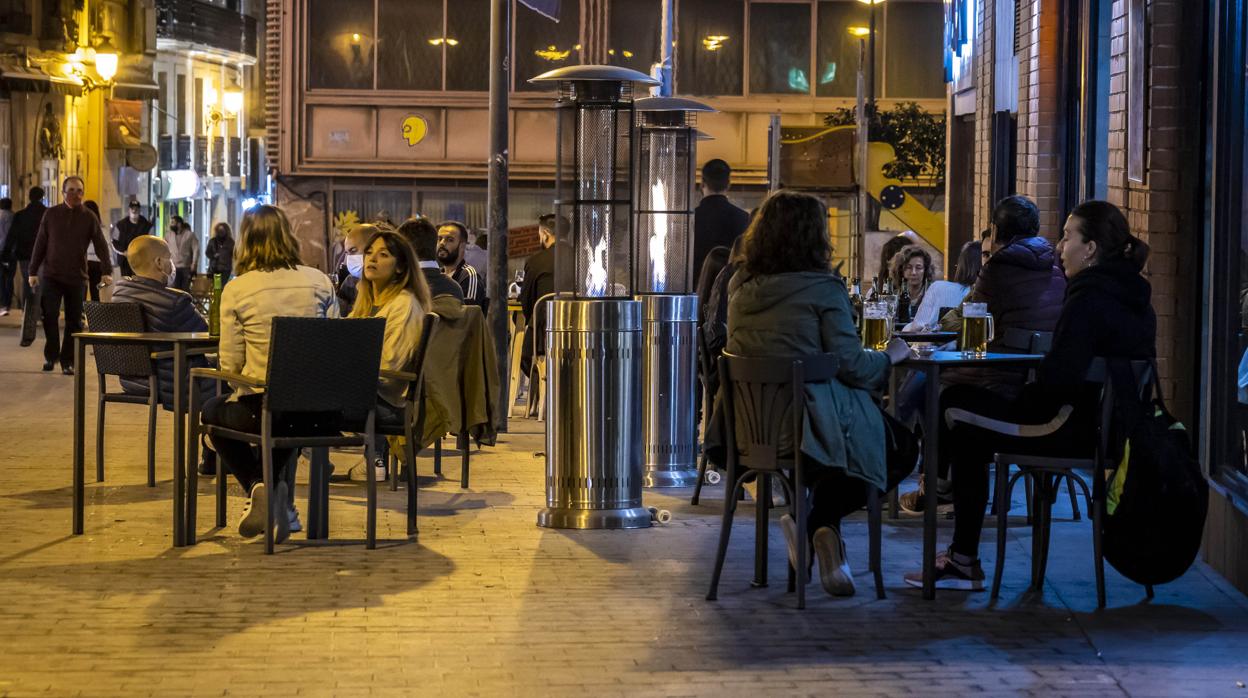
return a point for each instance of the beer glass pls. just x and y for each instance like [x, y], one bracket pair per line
[877, 325]
[977, 330]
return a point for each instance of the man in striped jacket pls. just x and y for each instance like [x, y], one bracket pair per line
[452, 241]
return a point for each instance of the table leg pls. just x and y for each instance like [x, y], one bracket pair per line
[894, 503]
[931, 420]
[179, 446]
[80, 353]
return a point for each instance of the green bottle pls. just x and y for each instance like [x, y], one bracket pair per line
[214, 307]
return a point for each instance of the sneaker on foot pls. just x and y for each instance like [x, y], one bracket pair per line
[952, 573]
[255, 511]
[282, 523]
[48, 365]
[207, 469]
[295, 525]
[359, 474]
[789, 527]
[834, 571]
[913, 502]
[67, 369]
[4, 311]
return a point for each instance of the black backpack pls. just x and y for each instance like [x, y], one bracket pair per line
[1157, 497]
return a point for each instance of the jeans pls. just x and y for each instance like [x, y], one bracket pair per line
[242, 458]
[53, 293]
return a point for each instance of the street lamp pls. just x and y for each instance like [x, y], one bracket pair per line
[233, 100]
[593, 336]
[667, 147]
[106, 60]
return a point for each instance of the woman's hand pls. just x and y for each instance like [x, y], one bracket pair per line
[897, 350]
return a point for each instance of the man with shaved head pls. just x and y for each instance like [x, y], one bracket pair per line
[164, 310]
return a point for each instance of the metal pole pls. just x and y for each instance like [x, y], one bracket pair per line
[667, 64]
[863, 197]
[496, 220]
[871, 58]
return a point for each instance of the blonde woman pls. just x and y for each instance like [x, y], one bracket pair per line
[393, 287]
[270, 281]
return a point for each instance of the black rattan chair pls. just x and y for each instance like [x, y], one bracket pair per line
[1047, 472]
[316, 366]
[129, 360]
[761, 390]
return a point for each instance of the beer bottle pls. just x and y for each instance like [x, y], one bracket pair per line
[855, 301]
[214, 307]
[903, 306]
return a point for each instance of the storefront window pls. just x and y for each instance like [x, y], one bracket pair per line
[341, 44]
[542, 44]
[468, 58]
[836, 70]
[710, 47]
[409, 49]
[913, 45]
[635, 28]
[779, 49]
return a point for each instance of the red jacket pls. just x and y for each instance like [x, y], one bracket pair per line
[61, 245]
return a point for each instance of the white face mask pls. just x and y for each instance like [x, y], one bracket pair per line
[172, 275]
[355, 265]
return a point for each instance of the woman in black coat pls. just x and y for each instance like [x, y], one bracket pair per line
[1107, 313]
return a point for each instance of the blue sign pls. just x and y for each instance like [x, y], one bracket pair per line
[549, 8]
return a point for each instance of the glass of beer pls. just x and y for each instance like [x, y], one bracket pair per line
[877, 325]
[977, 330]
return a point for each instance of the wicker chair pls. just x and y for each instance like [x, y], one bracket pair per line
[130, 360]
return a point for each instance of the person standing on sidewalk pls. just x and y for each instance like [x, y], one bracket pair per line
[58, 266]
[220, 252]
[6, 264]
[184, 244]
[125, 231]
[19, 246]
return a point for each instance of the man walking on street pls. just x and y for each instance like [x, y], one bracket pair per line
[716, 221]
[58, 266]
[184, 244]
[125, 231]
[19, 247]
[6, 264]
[452, 243]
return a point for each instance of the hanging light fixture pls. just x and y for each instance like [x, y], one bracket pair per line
[106, 60]
[233, 100]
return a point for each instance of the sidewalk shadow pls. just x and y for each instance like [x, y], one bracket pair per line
[95, 494]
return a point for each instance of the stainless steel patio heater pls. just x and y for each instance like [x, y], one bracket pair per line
[593, 336]
[667, 138]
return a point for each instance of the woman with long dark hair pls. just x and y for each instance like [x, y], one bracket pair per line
[785, 301]
[1107, 313]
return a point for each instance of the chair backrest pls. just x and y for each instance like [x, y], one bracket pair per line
[1023, 340]
[119, 359]
[763, 400]
[428, 328]
[1143, 374]
[325, 366]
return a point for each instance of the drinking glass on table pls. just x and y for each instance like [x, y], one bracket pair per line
[877, 325]
[977, 330]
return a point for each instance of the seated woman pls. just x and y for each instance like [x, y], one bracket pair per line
[393, 287]
[911, 274]
[1107, 313]
[271, 282]
[785, 301]
[947, 294]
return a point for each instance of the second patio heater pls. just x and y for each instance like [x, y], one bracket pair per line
[593, 336]
[667, 138]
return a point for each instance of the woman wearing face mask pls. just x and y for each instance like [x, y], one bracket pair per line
[1107, 313]
[353, 264]
[220, 252]
[125, 231]
[392, 287]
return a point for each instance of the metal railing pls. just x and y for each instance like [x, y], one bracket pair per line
[206, 25]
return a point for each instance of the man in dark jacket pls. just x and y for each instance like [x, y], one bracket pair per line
[423, 236]
[716, 221]
[58, 266]
[539, 280]
[18, 248]
[126, 230]
[164, 310]
[452, 245]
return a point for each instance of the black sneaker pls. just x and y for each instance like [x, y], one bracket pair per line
[67, 369]
[207, 469]
[48, 365]
[951, 574]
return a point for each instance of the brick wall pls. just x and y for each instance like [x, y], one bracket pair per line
[1038, 145]
[984, 51]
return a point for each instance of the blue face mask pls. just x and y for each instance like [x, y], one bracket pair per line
[355, 265]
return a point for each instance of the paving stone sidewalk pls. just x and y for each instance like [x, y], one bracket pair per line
[486, 603]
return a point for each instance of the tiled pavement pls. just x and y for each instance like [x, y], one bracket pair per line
[486, 603]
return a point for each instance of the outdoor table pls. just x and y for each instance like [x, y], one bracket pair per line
[933, 337]
[930, 366]
[181, 341]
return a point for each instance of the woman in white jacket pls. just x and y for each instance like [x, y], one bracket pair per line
[269, 281]
[393, 287]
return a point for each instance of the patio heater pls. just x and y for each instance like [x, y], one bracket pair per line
[593, 335]
[667, 145]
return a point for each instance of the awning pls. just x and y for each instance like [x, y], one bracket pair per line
[15, 77]
[135, 84]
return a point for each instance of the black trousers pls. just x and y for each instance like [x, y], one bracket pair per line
[836, 494]
[53, 293]
[182, 278]
[124, 265]
[6, 284]
[969, 451]
[242, 458]
[94, 273]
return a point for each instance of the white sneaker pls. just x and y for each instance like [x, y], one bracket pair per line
[255, 511]
[834, 570]
[283, 522]
[359, 474]
[4, 311]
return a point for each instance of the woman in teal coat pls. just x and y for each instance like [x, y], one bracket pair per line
[787, 302]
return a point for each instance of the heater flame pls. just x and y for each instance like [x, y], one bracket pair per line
[658, 238]
[596, 276]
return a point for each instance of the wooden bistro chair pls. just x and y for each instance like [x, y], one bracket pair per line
[760, 390]
[1047, 471]
[706, 364]
[537, 370]
[316, 366]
